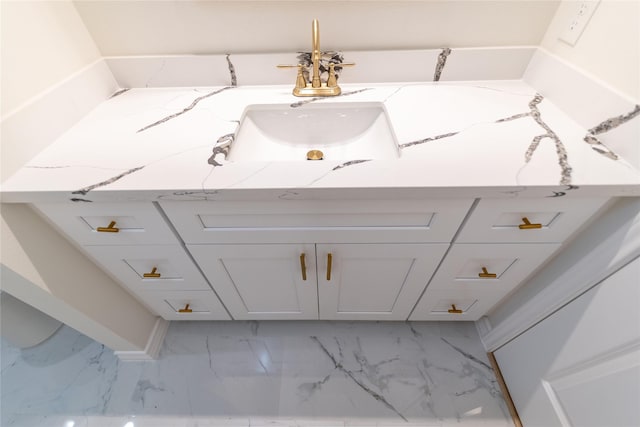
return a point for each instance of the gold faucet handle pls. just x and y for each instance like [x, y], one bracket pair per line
[300, 80]
[332, 81]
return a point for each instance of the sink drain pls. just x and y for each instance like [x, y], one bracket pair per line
[315, 155]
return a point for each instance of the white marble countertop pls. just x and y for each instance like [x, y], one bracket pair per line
[477, 138]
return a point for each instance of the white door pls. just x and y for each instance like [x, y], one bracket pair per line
[373, 281]
[581, 366]
[264, 282]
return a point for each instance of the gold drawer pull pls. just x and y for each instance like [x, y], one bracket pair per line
[303, 267]
[111, 228]
[152, 275]
[527, 225]
[454, 310]
[486, 275]
[329, 260]
[186, 309]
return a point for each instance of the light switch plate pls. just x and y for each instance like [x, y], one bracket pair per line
[584, 9]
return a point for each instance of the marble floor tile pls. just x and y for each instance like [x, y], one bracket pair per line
[343, 374]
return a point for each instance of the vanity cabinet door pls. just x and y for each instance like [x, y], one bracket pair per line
[262, 282]
[373, 281]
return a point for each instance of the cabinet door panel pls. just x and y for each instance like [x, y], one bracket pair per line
[261, 281]
[374, 282]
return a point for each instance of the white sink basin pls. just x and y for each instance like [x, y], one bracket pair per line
[342, 131]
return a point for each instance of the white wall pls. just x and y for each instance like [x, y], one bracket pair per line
[208, 27]
[41, 43]
[609, 48]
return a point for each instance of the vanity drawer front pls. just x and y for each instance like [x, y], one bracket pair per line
[185, 305]
[319, 221]
[495, 267]
[443, 305]
[110, 223]
[549, 220]
[150, 268]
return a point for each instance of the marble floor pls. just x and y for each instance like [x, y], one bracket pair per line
[259, 374]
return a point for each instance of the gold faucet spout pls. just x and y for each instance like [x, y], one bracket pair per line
[315, 56]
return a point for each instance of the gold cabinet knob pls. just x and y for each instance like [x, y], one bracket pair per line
[527, 225]
[111, 228]
[486, 275]
[329, 262]
[152, 274]
[454, 310]
[186, 309]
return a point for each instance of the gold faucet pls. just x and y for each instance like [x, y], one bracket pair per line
[316, 87]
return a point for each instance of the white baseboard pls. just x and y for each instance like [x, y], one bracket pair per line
[152, 349]
[620, 246]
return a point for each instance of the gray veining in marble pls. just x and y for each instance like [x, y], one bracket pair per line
[563, 159]
[349, 163]
[186, 109]
[332, 373]
[431, 138]
[441, 62]
[119, 92]
[232, 71]
[614, 122]
[514, 117]
[350, 374]
[606, 126]
[85, 190]
[534, 112]
[564, 193]
[222, 147]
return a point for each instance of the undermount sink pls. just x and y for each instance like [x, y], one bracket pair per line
[341, 131]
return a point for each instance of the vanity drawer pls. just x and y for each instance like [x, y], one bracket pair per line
[495, 267]
[527, 220]
[110, 223]
[150, 268]
[444, 305]
[318, 221]
[185, 305]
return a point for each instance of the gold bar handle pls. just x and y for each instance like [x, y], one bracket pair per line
[329, 261]
[486, 275]
[111, 228]
[303, 267]
[152, 275]
[527, 225]
[186, 309]
[454, 310]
